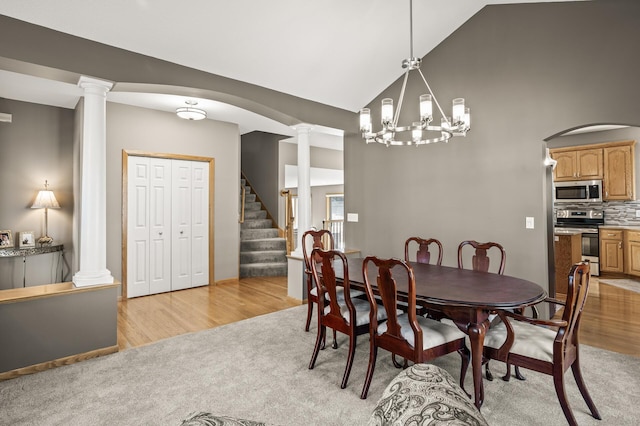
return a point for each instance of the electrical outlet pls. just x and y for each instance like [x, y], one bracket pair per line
[637, 213]
[529, 222]
[352, 217]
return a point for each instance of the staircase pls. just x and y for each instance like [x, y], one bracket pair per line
[263, 253]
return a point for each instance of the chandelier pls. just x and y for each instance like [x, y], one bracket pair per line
[418, 132]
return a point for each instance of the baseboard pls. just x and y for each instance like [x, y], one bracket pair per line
[57, 363]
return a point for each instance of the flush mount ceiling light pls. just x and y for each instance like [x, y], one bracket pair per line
[191, 113]
[418, 132]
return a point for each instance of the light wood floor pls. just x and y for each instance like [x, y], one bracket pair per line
[611, 319]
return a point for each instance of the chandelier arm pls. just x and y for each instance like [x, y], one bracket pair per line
[434, 96]
[401, 99]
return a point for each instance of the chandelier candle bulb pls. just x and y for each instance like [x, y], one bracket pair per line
[458, 110]
[467, 118]
[426, 108]
[365, 120]
[387, 111]
[416, 133]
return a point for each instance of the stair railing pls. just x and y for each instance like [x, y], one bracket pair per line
[244, 194]
[337, 230]
[288, 219]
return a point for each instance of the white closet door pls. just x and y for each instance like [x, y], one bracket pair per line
[160, 225]
[138, 227]
[199, 223]
[181, 225]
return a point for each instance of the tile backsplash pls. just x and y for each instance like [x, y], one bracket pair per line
[615, 212]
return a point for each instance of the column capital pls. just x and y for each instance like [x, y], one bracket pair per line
[94, 83]
[303, 128]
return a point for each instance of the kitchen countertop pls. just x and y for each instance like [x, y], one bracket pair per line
[623, 227]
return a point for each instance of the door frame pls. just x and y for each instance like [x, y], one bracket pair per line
[125, 208]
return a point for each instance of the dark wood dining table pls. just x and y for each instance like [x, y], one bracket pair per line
[465, 296]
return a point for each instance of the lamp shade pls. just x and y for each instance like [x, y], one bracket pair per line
[46, 199]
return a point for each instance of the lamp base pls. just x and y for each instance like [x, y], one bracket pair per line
[45, 240]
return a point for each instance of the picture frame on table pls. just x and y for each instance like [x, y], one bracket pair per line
[6, 239]
[27, 239]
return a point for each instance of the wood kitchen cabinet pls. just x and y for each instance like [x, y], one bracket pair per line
[611, 251]
[632, 252]
[583, 164]
[619, 172]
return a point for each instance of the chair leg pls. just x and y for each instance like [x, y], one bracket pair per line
[487, 372]
[309, 313]
[335, 341]
[518, 374]
[316, 348]
[352, 352]
[373, 353]
[465, 354]
[558, 382]
[577, 375]
[507, 375]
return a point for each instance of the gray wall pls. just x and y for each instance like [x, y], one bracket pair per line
[133, 128]
[36, 146]
[259, 163]
[528, 72]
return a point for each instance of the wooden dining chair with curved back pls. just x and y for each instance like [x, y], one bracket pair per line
[341, 313]
[546, 346]
[423, 255]
[312, 291]
[414, 338]
[480, 261]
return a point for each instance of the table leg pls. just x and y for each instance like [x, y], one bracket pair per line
[476, 336]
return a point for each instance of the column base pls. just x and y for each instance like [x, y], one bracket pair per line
[85, 279]
[295, 277]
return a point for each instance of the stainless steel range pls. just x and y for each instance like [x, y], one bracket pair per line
[586, 222]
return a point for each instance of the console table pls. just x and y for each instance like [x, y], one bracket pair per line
[32, 251]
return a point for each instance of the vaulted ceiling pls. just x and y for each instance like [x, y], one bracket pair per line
[341, 53]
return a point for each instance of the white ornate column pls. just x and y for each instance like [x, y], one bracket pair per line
[92, 241]
[295, 273]
[304, 181]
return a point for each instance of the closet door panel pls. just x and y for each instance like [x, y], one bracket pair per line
[200, 224]
[181, 224]
[160, 225]
[138, 227]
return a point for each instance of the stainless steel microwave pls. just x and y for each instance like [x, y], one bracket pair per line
[581, 191]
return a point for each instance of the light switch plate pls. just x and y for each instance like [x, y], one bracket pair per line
[352, 217]
[637, 213]
[529, 222]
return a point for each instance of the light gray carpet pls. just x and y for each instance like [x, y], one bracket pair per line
[624, 283]
[257, 369]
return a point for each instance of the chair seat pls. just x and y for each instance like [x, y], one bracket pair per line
[340, 291]
[363, 310]
[530, 340]
[434, 333]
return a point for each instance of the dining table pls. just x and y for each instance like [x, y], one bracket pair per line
[465, 296]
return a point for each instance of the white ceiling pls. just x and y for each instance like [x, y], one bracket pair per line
[341, 53]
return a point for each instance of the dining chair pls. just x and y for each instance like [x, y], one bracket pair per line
[480, 261]
[423, 255]
[546, 346]
[341, 313]
[415, 338]
[311, 240]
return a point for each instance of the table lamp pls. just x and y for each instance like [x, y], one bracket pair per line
[45, 200]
